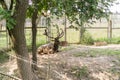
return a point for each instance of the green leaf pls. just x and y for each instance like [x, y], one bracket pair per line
[5, 14]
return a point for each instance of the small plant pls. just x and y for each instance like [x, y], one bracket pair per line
[87, 39]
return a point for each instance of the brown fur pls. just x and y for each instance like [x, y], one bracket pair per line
[46, 49]
[100, 43]
[63, 43]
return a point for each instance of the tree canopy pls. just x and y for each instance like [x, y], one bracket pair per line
[77, 11]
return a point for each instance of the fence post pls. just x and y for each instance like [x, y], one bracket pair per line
[65, 27]
[49, 28]
[110, 29]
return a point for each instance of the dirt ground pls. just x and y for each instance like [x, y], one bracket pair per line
[64, 65]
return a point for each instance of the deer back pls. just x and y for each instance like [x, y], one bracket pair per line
[45, 49]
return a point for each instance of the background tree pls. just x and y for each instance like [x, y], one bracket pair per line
[82, 11]
[34, 10]
[34, 33]
[38, 8]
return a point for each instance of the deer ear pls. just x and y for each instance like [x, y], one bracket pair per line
[45, 33]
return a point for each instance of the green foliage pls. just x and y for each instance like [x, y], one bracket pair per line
[110, 41]
[80, 12]
[115, 40]
[5, 14]
[83, 11]
[41, 5]
[30, 11]
[87, 39]
[76, 10]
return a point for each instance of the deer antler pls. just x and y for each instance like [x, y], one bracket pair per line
[47, 34]
[60, 34]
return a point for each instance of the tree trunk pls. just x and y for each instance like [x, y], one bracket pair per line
[19, 41]
[34, 32]
[82, 31]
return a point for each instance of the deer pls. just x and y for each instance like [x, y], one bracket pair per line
[102, 43]
[51, 48]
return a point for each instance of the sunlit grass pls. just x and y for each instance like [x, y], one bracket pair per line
[97, 52]
[3, 40]
[72, 36]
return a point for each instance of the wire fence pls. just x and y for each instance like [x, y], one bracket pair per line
[101, 29]
[4, 76]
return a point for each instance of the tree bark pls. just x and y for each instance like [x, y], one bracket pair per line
[19, 41]
[34, 32]
[82, 31]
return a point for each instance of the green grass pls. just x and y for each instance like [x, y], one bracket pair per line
[114, 40]
[3, 57]
[97, 52]
[3, 40]
[67, 48]
[72, 36]
[80, 73]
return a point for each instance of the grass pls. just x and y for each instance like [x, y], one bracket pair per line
[67, 48]
[97, 52]
[3, 40]
[3, 57]
[115, 70]
[114, 40]
[80, 73]
[72, 36]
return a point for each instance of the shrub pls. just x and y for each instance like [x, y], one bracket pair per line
[110, 41]
[87, 39]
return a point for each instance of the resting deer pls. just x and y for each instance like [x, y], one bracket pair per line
[51, 47]
[100, 43]
[63, 43]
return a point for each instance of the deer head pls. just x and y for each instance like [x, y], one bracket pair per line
[55, 39]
